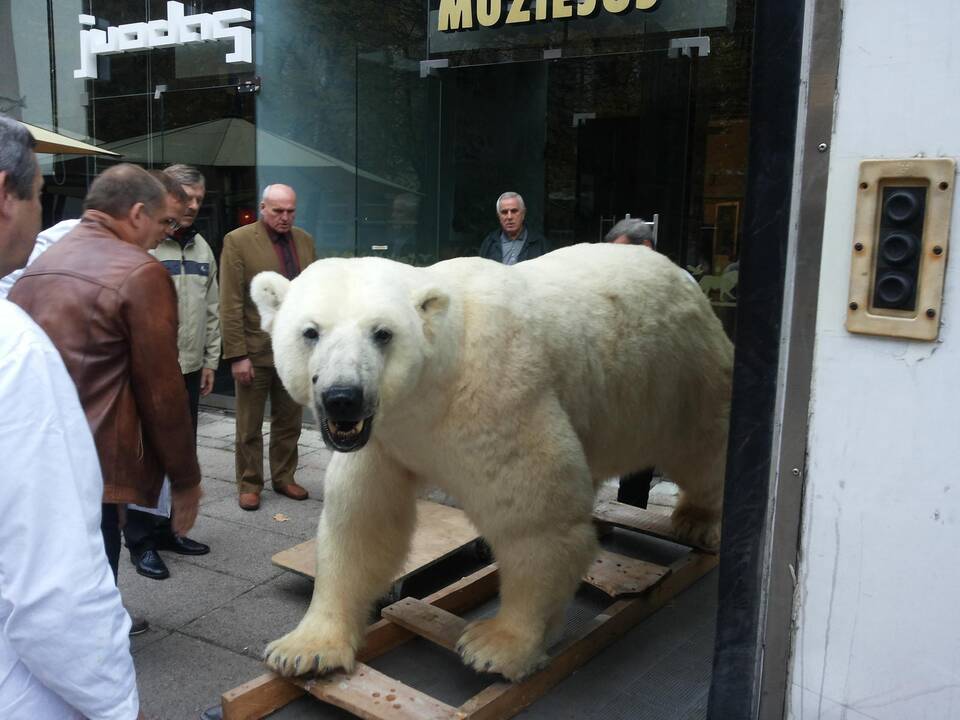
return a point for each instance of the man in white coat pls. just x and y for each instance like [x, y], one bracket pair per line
[64, 645]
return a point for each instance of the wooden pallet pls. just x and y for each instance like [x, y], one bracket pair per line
[441, 531]
[637, 589]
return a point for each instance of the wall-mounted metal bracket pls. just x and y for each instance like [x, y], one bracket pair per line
[686, 46]
[430, 67]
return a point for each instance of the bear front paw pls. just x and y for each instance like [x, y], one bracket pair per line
[493, 646]
[305, 651]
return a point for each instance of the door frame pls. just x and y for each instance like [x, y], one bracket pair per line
[796, 46]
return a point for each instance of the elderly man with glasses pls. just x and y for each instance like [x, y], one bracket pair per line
[193, 268]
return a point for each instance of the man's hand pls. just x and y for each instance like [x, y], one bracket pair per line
[206, 381]
[185, 505]
[242, 371]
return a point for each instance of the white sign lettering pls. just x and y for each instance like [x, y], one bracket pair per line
[177, 29]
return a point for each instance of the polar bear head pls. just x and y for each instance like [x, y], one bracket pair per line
[353, 339]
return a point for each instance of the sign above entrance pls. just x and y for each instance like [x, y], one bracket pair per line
[457, 15]
[177, 29]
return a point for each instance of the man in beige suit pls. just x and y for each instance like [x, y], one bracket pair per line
[272, 243]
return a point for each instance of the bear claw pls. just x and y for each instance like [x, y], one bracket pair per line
[300, 653]
[489, 646]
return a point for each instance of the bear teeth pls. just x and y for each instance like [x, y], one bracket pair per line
[347, 432]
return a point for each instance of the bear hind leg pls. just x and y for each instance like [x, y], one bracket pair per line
[697, 516]
[538, 576]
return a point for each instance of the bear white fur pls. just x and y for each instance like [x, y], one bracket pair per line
[516, 390]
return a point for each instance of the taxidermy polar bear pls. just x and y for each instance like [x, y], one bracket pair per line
[516, 390]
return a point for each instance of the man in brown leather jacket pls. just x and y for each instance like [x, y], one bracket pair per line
[272, 243]
[111, 311]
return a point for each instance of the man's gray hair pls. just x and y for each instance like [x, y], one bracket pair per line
[186, 174]
[506, 196]
[16, 157]
[636, 230]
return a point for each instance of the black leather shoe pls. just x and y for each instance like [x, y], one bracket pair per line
[182, 545]
[150, 564]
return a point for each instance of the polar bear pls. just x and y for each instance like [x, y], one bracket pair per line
[516, 390]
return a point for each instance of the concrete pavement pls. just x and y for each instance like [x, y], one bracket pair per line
[211, 620]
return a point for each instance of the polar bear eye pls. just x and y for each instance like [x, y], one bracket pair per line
[311, 333]
[381, 336]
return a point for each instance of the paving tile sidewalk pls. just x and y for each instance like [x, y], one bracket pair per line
[211, 620]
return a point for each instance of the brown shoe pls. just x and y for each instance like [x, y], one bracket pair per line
[250, 501]
[292, 491]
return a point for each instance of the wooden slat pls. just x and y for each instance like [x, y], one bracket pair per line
[427, 621]
[259, 697]
[440, 532]
[269, 692]
[642, 520]
[504, 700]
[467, 593]
[618, 575]
[374, 696]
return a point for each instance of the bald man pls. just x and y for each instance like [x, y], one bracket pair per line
[271, 243]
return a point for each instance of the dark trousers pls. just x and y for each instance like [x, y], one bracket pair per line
[144, 529]
[110, 529]
[634, 488]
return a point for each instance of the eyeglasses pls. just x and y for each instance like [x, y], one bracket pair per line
[172, 225]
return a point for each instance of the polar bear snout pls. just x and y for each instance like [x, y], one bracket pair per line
[345, 420]
[343, 403]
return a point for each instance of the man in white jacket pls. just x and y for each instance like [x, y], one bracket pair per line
[64, 646]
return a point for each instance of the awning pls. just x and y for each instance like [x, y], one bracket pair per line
[51, 142]
[233, 142]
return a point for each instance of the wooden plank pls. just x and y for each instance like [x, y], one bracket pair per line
[618, 575]
[466, 593]
[504, 700]
[641, 520]
[427, 621]
[440, 532]
[259, 697]
[374, 696]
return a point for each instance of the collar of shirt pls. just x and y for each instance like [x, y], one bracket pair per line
[274, 236]
[504, 238]
[185, 235]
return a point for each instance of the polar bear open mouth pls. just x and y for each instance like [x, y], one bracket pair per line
[346, 436]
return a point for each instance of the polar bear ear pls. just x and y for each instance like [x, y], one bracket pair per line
[268, 289]
[430, 303]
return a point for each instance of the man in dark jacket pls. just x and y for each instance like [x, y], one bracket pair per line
[111, 311]
[513, 242]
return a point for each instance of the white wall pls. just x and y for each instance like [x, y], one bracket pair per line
[878, 601]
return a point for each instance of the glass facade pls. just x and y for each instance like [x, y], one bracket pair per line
[399, 137]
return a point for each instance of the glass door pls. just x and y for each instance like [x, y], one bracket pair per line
[397, 151]
[214, 130]
[585, 141]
